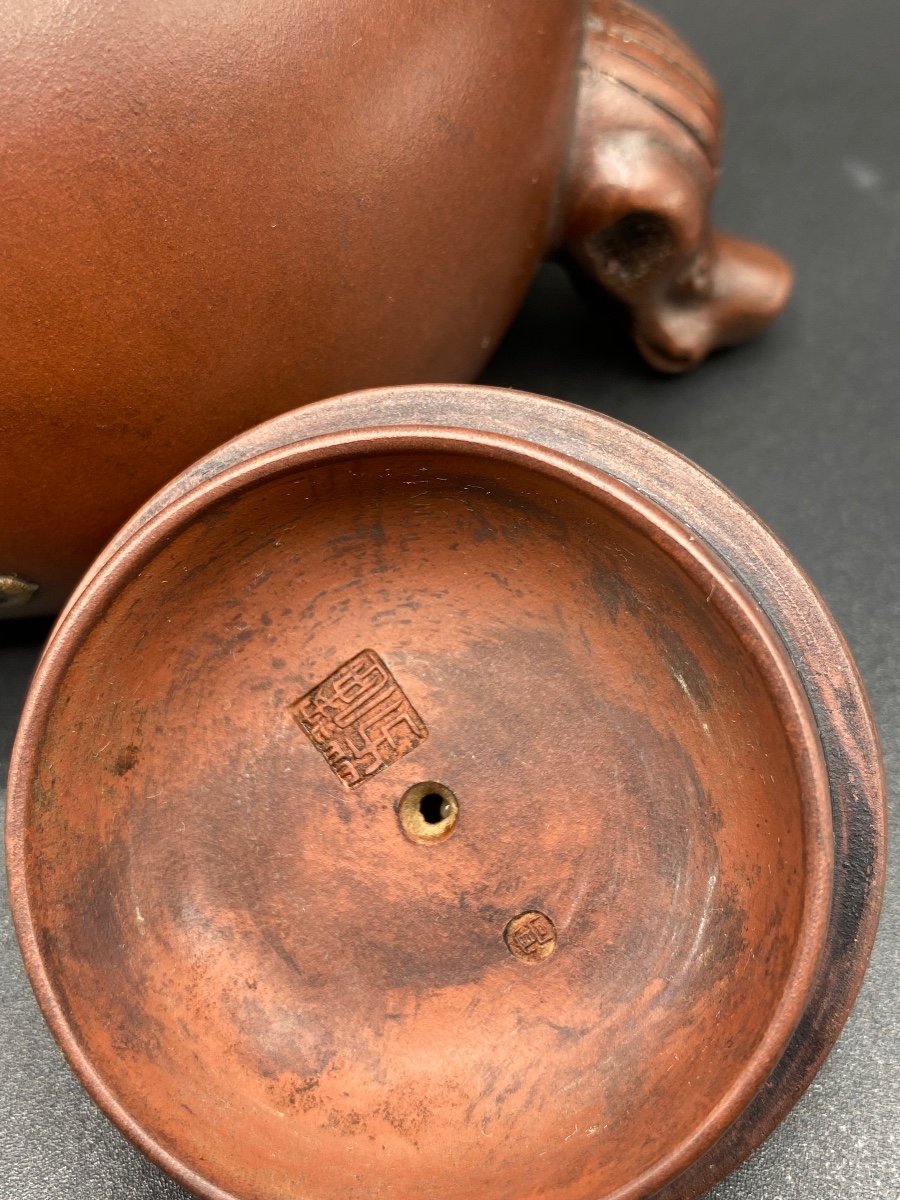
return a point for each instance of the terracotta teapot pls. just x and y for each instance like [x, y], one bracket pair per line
[214, 213]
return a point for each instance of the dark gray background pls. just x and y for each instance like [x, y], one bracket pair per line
[803, 425]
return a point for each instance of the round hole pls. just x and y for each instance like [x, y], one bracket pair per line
[428, 812]
[434, 808]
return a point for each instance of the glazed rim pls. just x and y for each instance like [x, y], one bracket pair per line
[702, 565]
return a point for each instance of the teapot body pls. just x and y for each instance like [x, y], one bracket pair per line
[215, 213]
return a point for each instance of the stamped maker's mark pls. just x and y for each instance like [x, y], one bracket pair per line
[530, 937]
[359, 719]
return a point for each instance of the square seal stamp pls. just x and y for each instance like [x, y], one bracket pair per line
[359, 719]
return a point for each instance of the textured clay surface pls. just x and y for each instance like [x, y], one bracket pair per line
[239, 935]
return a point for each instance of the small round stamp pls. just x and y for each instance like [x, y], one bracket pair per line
[530, 937]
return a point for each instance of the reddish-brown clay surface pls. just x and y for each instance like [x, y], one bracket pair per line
[214, 213]
[255, 962]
